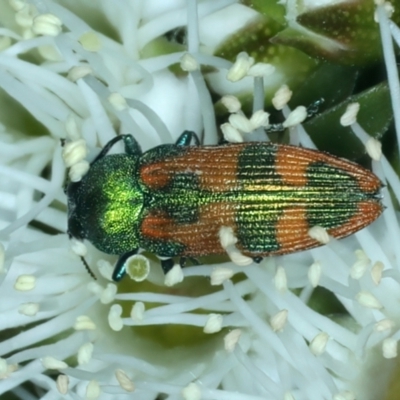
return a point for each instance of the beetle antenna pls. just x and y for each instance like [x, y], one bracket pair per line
[90, 272]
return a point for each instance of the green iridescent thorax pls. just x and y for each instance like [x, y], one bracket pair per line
[112, 204]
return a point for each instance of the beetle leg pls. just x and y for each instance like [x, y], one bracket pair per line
[194, 261]
[275, 128]
[107, 148]
[182, 261]
[131, 146]
[167, 265]
[314, 107]
[120, 266]
[312, 110]
[186, 137]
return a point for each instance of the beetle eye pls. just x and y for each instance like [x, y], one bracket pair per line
[75, 229]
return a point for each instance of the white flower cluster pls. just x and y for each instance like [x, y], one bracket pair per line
[73, 338]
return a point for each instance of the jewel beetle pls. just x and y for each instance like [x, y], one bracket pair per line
[172, 200]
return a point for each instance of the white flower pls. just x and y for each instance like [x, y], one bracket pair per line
[70, 336]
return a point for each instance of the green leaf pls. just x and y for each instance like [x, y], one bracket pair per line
[374, 116]
[344, 33]
[333, 83]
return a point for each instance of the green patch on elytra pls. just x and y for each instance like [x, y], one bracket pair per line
[181, 198]
[258, 214]
[256, 230]
[332, 217]
[256, 163]
[186, 180]
[332, 195]
[185, 215]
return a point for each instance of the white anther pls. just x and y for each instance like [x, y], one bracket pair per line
[358, 268]
[278, 321]
[259, 119]
[47, 24]
[137, 311]
[368, 300]
[78, 171]
[296, 117]
[231, 339]
[93, 390]
[374, 148]
[231, 134]
[282, 97]
[314, 273]
[124, 380]
[79, 72]
[6, 369]
[24, 283]
[17, 5]
[350, 115]
[318, 344]
[231, 103]
[90, 41]
[62, 383]
[319, 233]
[280, 279]
[226, 237]
[238, 258]
[389, 348]
[191, 392]
[376, 272]
[25, 15]
[213, 323]
[114, 317]
[241, 123]
[220, 274]
[240, 67]
[106, 269]
[174, 276]
[29, 309]
[385, 324]
[108, 294]
[189, 63]
[85, 353]
[84, 323]
[261, 70]
[117, 101]
[74, 152]
[53, 363]
[78, 247]
[387, 7]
